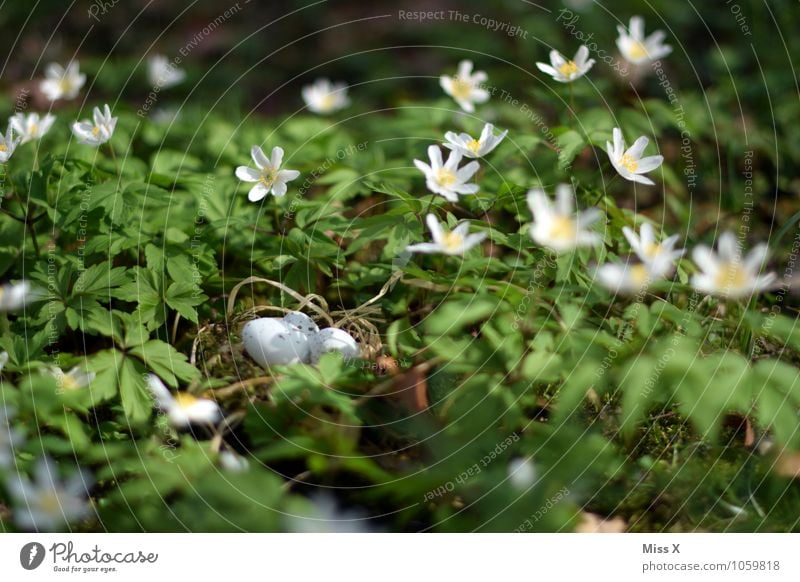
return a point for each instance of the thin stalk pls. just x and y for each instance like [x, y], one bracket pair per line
[571, 100]
[114, 156]
[33, 238]
[424, 214]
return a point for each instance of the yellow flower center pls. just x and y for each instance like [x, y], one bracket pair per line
[67, 382]
[268, 177]
[96, 131]
[461, 89]
[652, 250]
[563, 228]
[627, 162]
[3, 147]
[639, 275]
[33, 129]
[49, 502]
[445, 178]
[637, 51]
[327, 102]
[452, 241]
[185, 400]
[474, 145]
[568, 69]
[730, 275]
[65, 84]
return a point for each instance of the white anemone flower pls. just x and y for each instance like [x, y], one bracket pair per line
[61, 83]
[660, 257]
[47, 502]
[31, 127]
[522, 473]
[232, 462]
[726, 274]
[8, 143]
[183, 409]
[447, 179]
[268, 177]
[15, 296]
[556, 226]
[564, 70]
[324, 97]
[636, 48]
[628, 278]
[97, 133]
[75, 379]
[448, 242]
[163, 73]
[465, 87]
[629, 162]
[470, 147]
[165, 115]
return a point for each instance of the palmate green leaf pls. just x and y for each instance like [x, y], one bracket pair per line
[121, 199]
[776, 391]
[779, 327]
[459, 312]
[570, 143]
[705, 388]
[39, 403]
[147, 289]
[587, 374]
[98, 280]
[119, 374]
[183, 298]
[639, 386]
[306, 387]
[186, 263]
[79, 309]
[105, 364]
[123, 373]
[412, 203]
[542, 367]
[137, 402]
[165, 361]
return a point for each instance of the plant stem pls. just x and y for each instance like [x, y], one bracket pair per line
[33, 238]
[571, 100]
[422, 218]
[114, 156]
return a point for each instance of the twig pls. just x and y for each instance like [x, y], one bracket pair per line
[236, 386]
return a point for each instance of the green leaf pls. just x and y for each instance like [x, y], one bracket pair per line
[570, 143]
[183, 297]
[166, 362]
[137, 402]
[453, 316]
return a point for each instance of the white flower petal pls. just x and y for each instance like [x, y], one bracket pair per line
[257, 192]
[248, 174]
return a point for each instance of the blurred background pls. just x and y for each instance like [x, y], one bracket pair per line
[241, 52]
[731, 69]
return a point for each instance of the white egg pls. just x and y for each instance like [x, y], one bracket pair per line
[301, 322]
[270, 341]
[333, 339]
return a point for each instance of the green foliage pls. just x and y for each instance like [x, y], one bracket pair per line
[660, 409]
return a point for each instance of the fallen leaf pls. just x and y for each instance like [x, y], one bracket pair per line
[787, 464]
[593, 523]
[412, 388]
